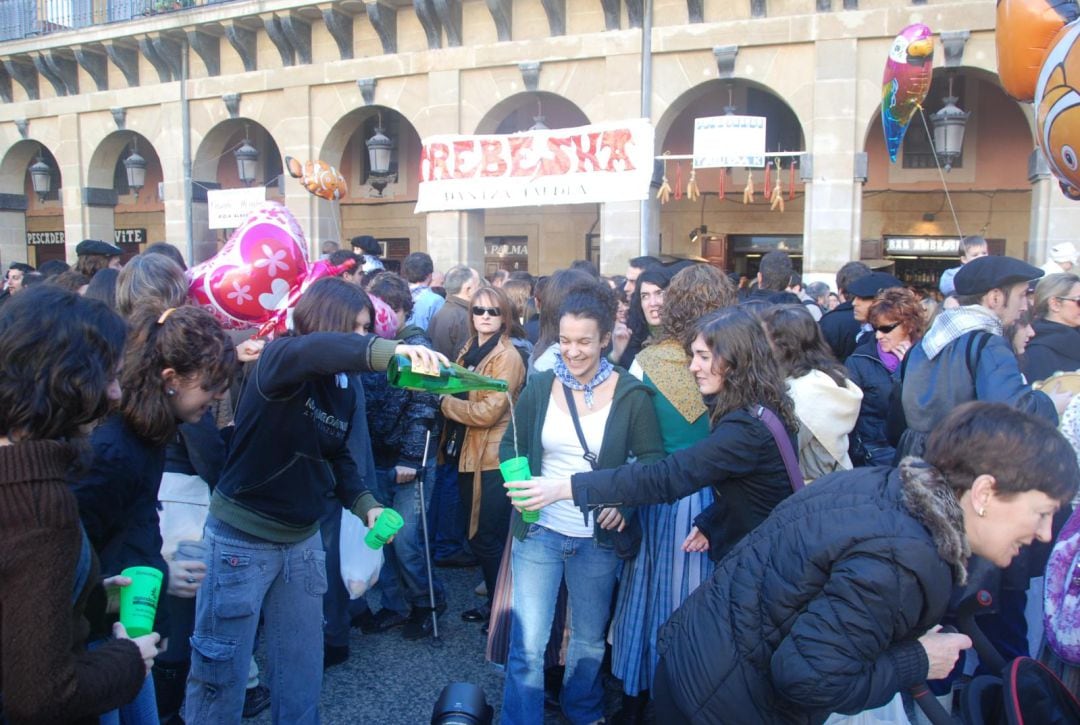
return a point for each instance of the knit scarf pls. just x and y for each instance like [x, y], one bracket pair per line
[567, 379]
[888, 359]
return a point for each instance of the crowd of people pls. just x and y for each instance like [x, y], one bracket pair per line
[756, 501]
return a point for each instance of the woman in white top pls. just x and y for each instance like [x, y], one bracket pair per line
[617, 422]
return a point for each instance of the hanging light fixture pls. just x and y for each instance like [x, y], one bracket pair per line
[729, 109]
[538, 119]
[949, 125]
[135, 168]
[247, 160]
[41, 176]
[379, 148]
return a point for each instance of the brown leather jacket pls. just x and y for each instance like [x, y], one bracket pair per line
[487, 414]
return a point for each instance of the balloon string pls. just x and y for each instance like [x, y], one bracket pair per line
[937, 161]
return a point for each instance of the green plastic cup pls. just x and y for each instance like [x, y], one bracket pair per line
[139, 600]
[517, 469]
[388, 524]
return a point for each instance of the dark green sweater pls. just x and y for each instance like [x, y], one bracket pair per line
[631, 432]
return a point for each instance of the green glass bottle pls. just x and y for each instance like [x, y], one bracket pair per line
[451, 379]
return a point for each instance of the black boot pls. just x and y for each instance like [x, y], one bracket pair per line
[632, 711]
[170, 681]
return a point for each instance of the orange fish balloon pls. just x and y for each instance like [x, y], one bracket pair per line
[318, 177]
[1025, 31]
[1057, 110]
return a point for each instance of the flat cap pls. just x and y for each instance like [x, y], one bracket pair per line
[986, 273]
[870, 284]
[96, 246]
[367, 244]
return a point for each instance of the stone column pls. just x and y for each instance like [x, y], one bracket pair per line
[620, 224]
[831, 227]
[1044, 188]
[169, 146]
[456, 237]
[12, 238]
[293, 135]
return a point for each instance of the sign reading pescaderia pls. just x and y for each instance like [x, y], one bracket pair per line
[120, 236]
[588, 164]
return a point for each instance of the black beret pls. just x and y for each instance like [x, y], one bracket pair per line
[870, 284]
[96, 246]
[986, 273]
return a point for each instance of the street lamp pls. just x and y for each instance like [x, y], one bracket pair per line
[247, 160]
[135, 168]
[948, 126]
[538, 119]
[379, 148]
[41, 177]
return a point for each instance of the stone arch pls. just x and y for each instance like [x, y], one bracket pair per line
[14, 174]
[519, 111]
[213, 158]
[111, 149]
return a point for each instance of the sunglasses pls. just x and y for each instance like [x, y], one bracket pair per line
[886, 329]
[490, 311]
[1070, 299]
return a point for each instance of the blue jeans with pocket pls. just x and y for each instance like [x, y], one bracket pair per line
[540, 562]
[405, 555]
[246, 575]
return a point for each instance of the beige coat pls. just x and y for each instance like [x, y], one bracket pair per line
[486, 414]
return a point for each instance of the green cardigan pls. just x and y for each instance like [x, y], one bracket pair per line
[631, 432]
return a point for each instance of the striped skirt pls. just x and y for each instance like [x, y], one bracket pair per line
[653, 585]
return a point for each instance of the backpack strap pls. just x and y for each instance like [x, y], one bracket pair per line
[588, 455]
[976, 343]
[783, 442]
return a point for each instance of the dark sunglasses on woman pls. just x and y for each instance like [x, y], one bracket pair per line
[490, 311]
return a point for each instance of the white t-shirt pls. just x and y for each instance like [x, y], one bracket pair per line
[563, 456]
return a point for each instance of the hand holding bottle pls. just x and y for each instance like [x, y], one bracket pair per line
[423, 359]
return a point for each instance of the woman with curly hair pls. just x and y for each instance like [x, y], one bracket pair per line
[899, 322]
[59, 354]
[732, 364]
[662, 575]
[826, 402]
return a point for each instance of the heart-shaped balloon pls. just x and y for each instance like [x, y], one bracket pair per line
[263, 262]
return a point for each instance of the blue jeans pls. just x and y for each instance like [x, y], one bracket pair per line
[405, 555]
[539, 564]
[444, 522]
[246, 575]
[140, 711]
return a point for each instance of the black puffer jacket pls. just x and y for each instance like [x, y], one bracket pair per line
[1055, 347]
[398, 419]
[818, 610]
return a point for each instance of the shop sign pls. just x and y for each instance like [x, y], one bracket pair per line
[729, 141]
[129, 236]
[923, 246]
[41, 239]
[585, 165]
[230, 208]
[506, 250]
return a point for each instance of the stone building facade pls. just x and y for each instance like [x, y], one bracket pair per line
[184, 85]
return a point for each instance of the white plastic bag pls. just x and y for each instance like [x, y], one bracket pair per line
[360, 565]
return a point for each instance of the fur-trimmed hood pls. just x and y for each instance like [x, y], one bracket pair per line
[929, 499]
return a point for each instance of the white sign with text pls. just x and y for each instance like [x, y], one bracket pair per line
[229, 208]
[729, 141]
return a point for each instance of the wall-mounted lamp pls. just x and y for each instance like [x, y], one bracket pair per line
[379, 148]
[41, 176]
[135, 168]
[247, 160]
[949, 125]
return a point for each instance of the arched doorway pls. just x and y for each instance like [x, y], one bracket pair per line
[719, 225]
[31, 224]
[231, 148]
[379, 201]
[127, 163]
[907, 223]
[537, 239]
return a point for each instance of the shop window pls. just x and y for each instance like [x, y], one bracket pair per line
[509, 253]
[918, 151]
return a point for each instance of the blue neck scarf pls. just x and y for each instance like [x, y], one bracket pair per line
[567, 378]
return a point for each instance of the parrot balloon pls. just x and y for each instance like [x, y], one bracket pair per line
[318, 177]
[1039, 61]
[906, 82]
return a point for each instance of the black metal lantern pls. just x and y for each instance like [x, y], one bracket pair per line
[949, 124]
[247, 161]
[379, 147]
[538, 119]
[41, 177]
[135, 168]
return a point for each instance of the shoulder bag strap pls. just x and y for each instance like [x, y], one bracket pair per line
[783, 442]
[589, 455]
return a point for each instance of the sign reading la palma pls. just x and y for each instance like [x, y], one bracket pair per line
[589, 164]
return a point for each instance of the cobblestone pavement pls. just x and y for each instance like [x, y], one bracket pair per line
[390, 681]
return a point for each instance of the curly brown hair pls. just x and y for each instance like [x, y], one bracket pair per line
[751, 374]
[899, 304]
[187, 339]
[693, 292]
